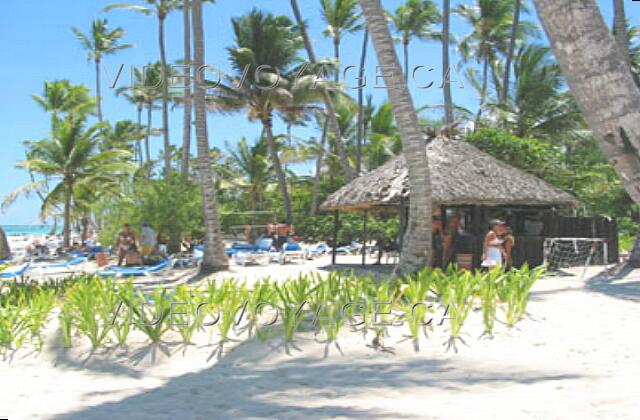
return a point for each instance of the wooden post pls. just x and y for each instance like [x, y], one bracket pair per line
[365, 218]
[336, 221]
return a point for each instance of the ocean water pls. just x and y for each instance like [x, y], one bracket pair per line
[28, 230]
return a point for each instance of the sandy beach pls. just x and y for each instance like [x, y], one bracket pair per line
[576, 355]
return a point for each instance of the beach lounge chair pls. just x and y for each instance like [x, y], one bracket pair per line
[14, 273]
[138, 271]
[291, 251]
[317, 250]
[66, 264]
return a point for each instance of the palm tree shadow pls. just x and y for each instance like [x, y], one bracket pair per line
[624, 284]
[245, 383]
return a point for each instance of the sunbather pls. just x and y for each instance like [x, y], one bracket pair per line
[126, 238]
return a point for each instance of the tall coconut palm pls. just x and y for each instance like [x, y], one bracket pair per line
[186, 101]
[510, 51]
[601, 83]
[136, 96]
[360, 134]
[214, 257]
[491, 22]
[341, 17]
[61, 98]
[538, 105]
[145, 92]
[415, 19]
[264, 40]
[620, 25]
[99, 43]
[70, 160]
[417, 242]
[446, 70]
[161, 8]
[328, 100]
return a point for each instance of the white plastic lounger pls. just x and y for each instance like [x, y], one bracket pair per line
[116, 271]
[15, 272]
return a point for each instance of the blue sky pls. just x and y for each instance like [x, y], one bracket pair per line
[38, 45]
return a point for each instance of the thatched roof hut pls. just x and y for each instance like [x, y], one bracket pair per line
[460, 175]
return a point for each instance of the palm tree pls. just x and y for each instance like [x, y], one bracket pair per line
[145, 92]
[70, 160]
[384, 139]
[620, 25]
[5, 251]
[264, 40]
[186, 133]
[60, 98]
[538, 105]
[328, 100]
[341, 17]
[417, 242]
[491, 22]
[601, 83]
[446, 86]
[136, 95]
[99, 43]
[252, 164]
[161, 8]
[510, 51]
[360, 135]
[415, 19]
[214, 257]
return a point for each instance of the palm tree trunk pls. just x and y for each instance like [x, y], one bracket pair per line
[139, 143]
[165, 98]
[335, 127]
[446, 73]
[186, 134]
[5, 251]
[405, 49]
[483, 94]
[620, 27]
[277, 166]
[148, 133]
[214, 257]
[360, 127]
[66, 231]
[512, 47]
[417, 241]
[317, 176]
[336, 56]
[86, 220]
[601, 83]
[98, 90]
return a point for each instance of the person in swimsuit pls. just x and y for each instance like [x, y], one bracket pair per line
[283, 230]
[126, 238]
[493, 250]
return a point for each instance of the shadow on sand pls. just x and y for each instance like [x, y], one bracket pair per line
[244, 384]
[622, 283]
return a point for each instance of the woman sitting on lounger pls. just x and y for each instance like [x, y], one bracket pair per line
[157, 255]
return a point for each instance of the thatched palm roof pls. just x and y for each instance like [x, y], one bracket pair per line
[460, 174]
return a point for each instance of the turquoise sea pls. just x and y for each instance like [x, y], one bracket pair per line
[26, 230]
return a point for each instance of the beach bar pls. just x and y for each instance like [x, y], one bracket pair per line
[475, 188]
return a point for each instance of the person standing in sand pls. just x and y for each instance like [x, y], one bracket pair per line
[493, 250]
[126, 239]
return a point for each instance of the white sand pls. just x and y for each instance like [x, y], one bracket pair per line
[577, 356]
